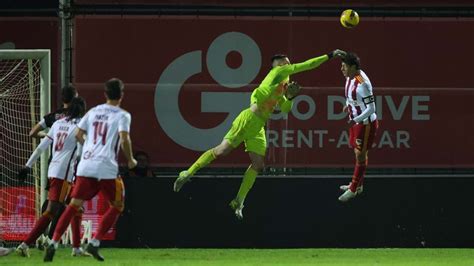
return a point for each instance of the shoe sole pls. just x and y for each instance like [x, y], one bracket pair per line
[48, 257]
[175, 184]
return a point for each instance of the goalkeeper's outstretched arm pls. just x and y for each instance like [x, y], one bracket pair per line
[312, 63]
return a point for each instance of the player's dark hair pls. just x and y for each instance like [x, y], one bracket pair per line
[351, 59]
[278, 57]
[114, 89]
[77, 108]
[68, 93]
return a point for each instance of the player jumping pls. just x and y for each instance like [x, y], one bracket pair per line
[106, 126]
[248, 127]
[360, 104]
[60, 173]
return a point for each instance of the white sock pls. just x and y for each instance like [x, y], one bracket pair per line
[54, 243]
[95, 242]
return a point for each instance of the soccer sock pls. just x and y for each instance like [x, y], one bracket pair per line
[361, 181]
[358, 177]
[40, 227]
[205, 159]
[76, 230]
[247, 183]
[55, 220]
[109, 219]
[64, 221]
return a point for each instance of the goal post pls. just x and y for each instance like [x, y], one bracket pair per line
[25, 93]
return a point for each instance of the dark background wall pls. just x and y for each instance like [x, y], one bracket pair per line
[299, 212]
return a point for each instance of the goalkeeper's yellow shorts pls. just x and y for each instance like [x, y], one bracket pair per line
[248, 128]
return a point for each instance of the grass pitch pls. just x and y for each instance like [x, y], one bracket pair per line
[260, 257]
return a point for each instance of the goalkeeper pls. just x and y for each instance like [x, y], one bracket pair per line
[275, 90]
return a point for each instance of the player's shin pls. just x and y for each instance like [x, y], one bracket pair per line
[39, 228]
[76, 230]
[64, 221]
[205, 159]
[108, 220]
[55, 220]
[358, 176]
[247, 183]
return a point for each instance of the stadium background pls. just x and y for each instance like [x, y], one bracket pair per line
[418, 55]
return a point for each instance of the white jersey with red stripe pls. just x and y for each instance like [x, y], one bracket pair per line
[102, 125]
[64, 152]
[360, 99]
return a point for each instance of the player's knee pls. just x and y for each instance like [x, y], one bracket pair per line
[360, 155]
[222, 149]
[258, 166]
[53, 207]
[119, 205]
[76, 203]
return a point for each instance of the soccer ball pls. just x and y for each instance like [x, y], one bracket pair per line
[349, 18]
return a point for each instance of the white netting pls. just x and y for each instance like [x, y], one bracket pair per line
[19, 111]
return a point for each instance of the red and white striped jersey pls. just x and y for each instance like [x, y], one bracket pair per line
[64, 152]
[360, 99]
[100, 150]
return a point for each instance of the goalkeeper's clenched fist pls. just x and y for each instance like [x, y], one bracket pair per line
[292, 90]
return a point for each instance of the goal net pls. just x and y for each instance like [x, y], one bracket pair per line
[24, 99]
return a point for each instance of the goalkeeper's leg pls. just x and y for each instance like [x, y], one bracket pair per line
[256, 148]
[205, 159]
[243, 126]
[250, 175]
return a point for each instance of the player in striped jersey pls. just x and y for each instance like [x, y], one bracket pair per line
[360, 104]
[60, 173]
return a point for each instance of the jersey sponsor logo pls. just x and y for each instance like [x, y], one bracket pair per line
[187, 65]
[87, 155]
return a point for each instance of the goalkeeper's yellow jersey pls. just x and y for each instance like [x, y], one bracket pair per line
[271, 91]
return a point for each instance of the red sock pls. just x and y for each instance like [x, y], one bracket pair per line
[361, 181]
[358, 177]
[109, 219]
[76, 230]
[64, 221]
[39, 228]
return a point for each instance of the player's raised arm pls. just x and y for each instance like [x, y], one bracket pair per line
[35, 132]
[312, 63]
[43, 146]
